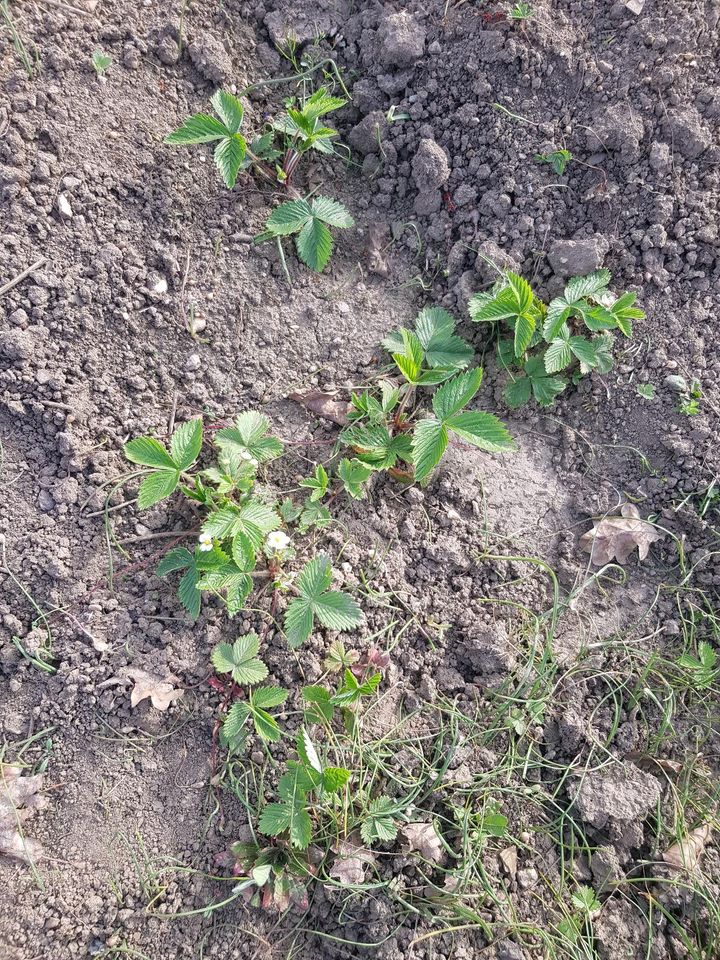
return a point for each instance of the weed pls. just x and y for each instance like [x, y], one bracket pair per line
[303, 130]
[558, 160]
[522, 11]
[18, 44]
[689, 403]
[646, 390]
[100, 61]
[545, 338]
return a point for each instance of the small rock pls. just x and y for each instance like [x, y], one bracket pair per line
[367, 136]
[160, 285]
[678, 384]
[193, 363]
[430, 166]
[167, 50]
[635, 6]
[402, 40]
[577, 258]
[64, 208]
[527, 877]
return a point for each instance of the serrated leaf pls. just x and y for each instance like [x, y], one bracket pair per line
[334, 778]
[321, 103]
[314, 244]
[322, 708]
[558, 312]
[236, 719]
[229, 155]
[546, 389]
[481, 429]
[337, 611]
[186, 443]
[200, 128]
[317, 484]
[429, 442]
[249, 433]
[583, 349]
[299, 619]
[315, 578]
[524, 330]
[307, 752]
[243, 551]
[456, 393]
[176, 559]
[149, 452]
[517, 392]
[289, 217]
[354, 475]
[558, 355]
[332, 212]
[500, 307]
[266, 697]
[156, 487]
[521, 291]
[229, 109]
[189, 594]
[435, 330]
[240, 660]
[581, 287]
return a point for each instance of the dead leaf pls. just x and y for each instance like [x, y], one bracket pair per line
[617, 537]
[686, 853]
[325, 405]
[161, 692]
[19, 799]
[352, 859]
[423, 838]
[509, 859]
[653, 764]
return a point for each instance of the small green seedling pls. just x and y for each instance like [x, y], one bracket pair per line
[646, 390]
[253, 711]
[702, 670]
[689, 404]
[308, 221]
[548, 339]
[303, 130]
[101, 61]
[558, 160]
[231, 150]
[522, 11]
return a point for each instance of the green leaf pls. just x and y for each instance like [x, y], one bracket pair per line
[524, 330]
[481, 429]
[307, 752]
[249, 434]
[434, 327]
[521, 291]
[646, 390]
[186, 443]
[597, 318]
[321, 103]
[299, 620]
[149, 452]
[429, 441]
[254, 520]
[314, 244]
[229, 109]
[176, 559]
[379, 823]
[558, 355]
[409, 359]
[457, 393]
[229, 155]
[266, 697]
[501, 307]
[580, 287]
[337, 611]
[289, 217]
[558, 313]
[331, 212]
[315, 578]
[314, 515]
[334, 778]
[156, 486]
[322, 708]
[188, 593]
[317, 483]
[603, 352]
[354, 475]
[240, 660]
[545, 389]
[517, 392]
[243, 551]
[200, 128]
[584, 350]
[235, 720]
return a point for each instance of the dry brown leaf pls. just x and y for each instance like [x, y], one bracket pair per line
[509, 859]
[686, 853]
[160, 692]
[671, 767]
[615, 538]
[352, 858]
[19, 799]
[423, 838]
[325, 405]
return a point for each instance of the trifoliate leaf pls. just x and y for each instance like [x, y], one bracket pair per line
[521, 292]
[314, 244]
[315, 578]
[229, 109]
[239, 659]
[354, 474]
[289, 217]
[156, 486]
[430, 439]
[249, 435]
[317, 483]
[149, 452]
[380, 823]
[185, 444]
[200, 128]
[434, 327]
[334, 609]
[176, 559]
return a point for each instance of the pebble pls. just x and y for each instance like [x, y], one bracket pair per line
[193, 363]
[64, 208]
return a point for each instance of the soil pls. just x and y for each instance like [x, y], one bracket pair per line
[94, 348]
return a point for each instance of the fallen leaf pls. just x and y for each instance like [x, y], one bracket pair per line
[325, 405]
[352, 859]
[19, 799]
[686, 853]
[509, 859]
[423, 838]
[671, 767]
[617, 537]
[160, 692]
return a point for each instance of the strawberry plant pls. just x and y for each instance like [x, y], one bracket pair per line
[557, 159]
[223, 130]
[549, 339]
[302, 129]
[308, 222]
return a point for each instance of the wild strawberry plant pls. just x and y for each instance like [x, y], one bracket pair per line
[308, 221]
[551, 344]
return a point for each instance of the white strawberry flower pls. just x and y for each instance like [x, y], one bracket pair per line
[205, 542]
[277, 541]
